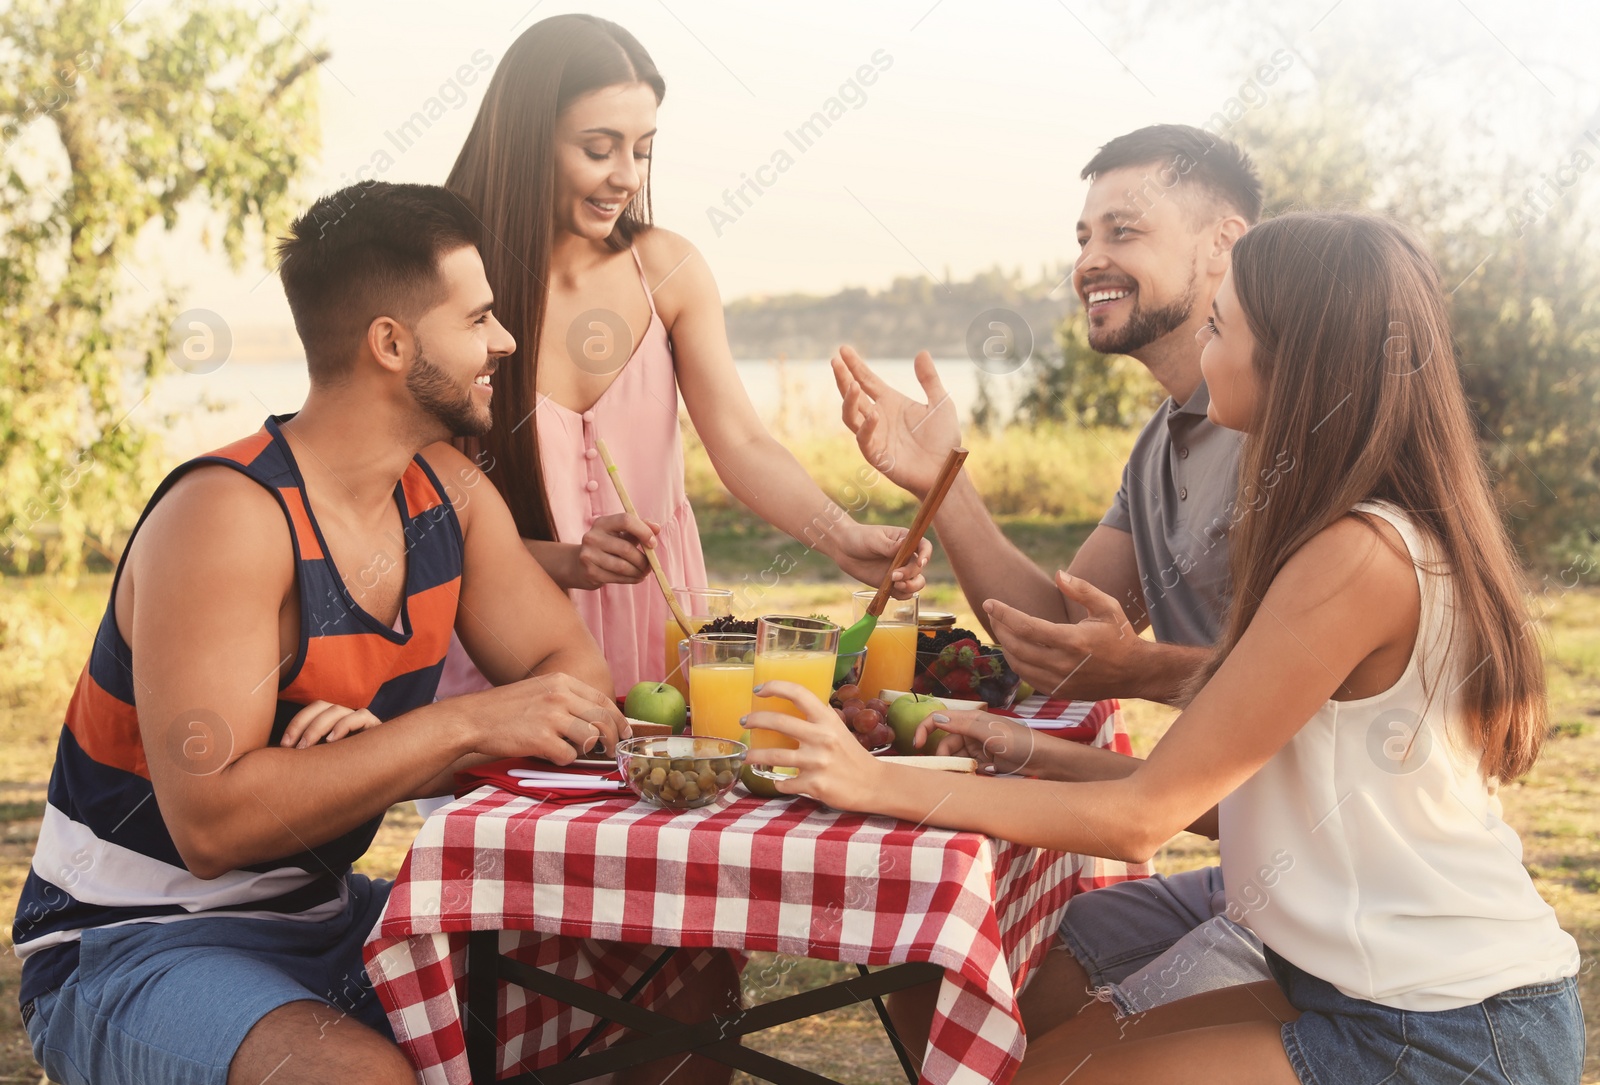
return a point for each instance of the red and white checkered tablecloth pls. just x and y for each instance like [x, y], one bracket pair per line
[587, 891]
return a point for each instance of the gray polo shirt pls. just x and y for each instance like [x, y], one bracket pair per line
[1177, 501]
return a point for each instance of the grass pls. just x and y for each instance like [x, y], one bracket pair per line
[1055, 473]
[46, 627]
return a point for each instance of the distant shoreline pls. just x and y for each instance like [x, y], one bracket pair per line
[894, 321]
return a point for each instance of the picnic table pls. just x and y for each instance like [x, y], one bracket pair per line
[544, 927]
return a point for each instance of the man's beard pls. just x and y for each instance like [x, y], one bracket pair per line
[1145, 326]
[445, 400]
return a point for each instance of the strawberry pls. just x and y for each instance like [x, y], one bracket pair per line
[958, 682]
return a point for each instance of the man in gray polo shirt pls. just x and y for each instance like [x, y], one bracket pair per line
[1158, 225]
[1174, 505]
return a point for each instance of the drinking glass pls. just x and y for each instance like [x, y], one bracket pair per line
[721, 672]
[790, 648]
[891, 648]
[700, 605]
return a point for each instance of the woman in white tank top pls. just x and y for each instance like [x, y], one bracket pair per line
[1376, 683]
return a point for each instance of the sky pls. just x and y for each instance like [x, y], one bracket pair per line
[962, 155]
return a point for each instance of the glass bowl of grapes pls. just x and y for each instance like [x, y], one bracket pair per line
[868, 719]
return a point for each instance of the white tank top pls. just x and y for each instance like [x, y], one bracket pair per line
[1370, 851]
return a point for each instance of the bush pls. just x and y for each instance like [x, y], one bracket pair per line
[1054, 470]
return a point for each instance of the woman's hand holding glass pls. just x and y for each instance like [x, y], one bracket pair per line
[833, 768]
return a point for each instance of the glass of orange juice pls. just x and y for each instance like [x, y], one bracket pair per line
[891, 648]
[791, 649]
[721, 672]
[700, 605]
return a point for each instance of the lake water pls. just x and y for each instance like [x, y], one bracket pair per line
[199, 412]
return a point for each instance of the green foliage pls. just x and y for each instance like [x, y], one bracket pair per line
[41, 646]
[985, 415]
[1393, 108]
[1052, 471]
[1528, 331]
[1079, 384]
[113, 119]
[1524, 280]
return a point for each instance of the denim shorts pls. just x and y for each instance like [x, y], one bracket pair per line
[1528, 1036]
[172, 1002]
[1150, 941]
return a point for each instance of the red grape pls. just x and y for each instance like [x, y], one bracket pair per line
[848, 692]
[866, 721]
[881, 735]
[879, 705]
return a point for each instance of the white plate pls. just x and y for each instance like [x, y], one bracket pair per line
[955, 704]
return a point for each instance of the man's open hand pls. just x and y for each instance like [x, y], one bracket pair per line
[906, 440]
[1092, 659]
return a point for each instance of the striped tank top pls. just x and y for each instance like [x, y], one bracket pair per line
[105, 856]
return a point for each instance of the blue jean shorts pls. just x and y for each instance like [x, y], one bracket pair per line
[172, 1002]
[1150, 941]
[1528, 1036]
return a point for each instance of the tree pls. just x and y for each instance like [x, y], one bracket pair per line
[1527, 327]
[1076, 383]
[1518, 254]
[111, 125]
[1506, 195]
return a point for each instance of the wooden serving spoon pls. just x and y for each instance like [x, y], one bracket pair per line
[854, 638]
[655, 563]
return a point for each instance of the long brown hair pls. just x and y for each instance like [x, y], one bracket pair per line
[1361, 401]
[506, 169]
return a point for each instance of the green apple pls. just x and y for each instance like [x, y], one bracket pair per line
[657, 702]
[760, 786]
[905, 713]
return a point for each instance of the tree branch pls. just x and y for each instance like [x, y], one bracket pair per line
[301, 67]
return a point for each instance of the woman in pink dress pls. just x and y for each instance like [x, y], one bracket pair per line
[613, 317]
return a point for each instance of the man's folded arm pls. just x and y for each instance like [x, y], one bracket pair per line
[211, 569]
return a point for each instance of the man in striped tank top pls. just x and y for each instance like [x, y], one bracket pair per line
[265, 673]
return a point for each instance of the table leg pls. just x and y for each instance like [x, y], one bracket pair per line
[666, 1036]
[483, 1008]
[913, 1075]
[627, 996]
